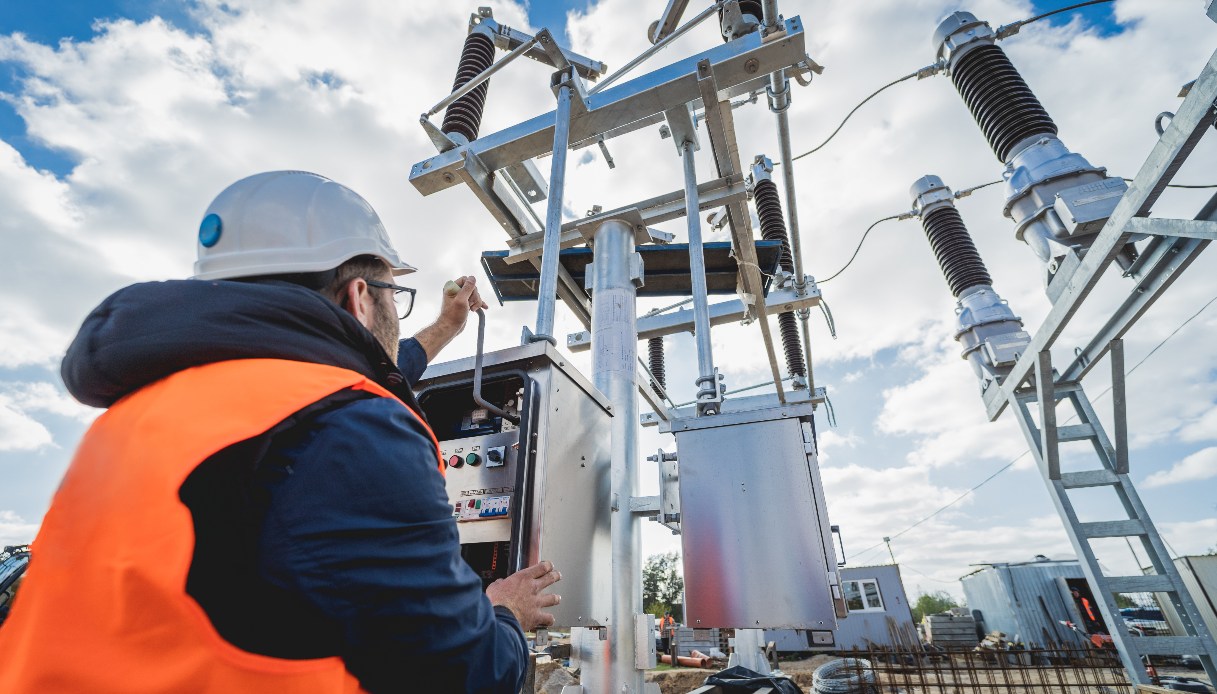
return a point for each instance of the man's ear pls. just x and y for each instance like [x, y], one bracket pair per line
[357, 299]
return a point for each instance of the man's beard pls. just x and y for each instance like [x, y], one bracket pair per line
[385, 327]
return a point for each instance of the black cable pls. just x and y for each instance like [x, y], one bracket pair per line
[855, 255]
[1024, 22]
[1181, 185]
[1010, 464]
[853, 111]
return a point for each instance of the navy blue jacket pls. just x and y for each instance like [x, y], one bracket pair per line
[331, 534]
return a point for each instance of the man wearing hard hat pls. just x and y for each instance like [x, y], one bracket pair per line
[261, 508]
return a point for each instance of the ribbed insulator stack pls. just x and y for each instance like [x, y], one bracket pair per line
[655, 351]
[1001, 102]
[464, 116]
[773, 228]
[956, 252]
[773, 224]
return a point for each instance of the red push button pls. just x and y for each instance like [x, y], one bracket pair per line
[455, 461]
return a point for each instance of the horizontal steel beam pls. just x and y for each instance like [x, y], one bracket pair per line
[1165, 259]
[663, 208]
[778, 301]
[1193, 120]
[626, 107]
[1183, 228]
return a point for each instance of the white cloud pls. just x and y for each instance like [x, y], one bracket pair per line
[1190, 537]
[14, 530]
[1201, 465]
[19, 429]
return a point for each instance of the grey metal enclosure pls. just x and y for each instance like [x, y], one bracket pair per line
[756, 540]
[1199, 575]
[1025, 600]
[532, 490]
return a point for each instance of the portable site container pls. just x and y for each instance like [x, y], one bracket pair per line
[879, 614]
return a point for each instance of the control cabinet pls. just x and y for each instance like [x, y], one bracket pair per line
[532, 489]
[757, 544]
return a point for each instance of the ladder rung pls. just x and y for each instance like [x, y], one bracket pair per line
[1075, 432]
[1059, 392]
[1088, 478]
[1120, 528]
[1154, 583]
[1165, 645]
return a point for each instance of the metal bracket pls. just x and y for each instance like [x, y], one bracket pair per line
[681, 127]
[568, 77]
[637, 270]
[644, 506]
[442, 142]
[734, 311]
[586, 227]
[644, 645]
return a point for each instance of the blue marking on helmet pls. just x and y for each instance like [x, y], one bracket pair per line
[210, 230]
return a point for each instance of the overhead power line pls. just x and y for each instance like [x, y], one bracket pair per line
[1010, 464]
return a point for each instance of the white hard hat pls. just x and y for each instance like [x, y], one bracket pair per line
[284, 222]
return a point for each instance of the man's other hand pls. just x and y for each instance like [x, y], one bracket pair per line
[521, 593]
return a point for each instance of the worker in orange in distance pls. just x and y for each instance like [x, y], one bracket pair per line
[262, 508]
[667, 630]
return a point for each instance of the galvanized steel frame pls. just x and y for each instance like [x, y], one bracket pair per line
[1174, 246]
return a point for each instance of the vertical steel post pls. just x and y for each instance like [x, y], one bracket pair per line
[779, 103]
[547, 296]
[707, 379]
[614, 372]
[792, 223]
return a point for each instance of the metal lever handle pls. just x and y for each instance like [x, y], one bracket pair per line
[836, 530]
[477, 374]
[451, 289]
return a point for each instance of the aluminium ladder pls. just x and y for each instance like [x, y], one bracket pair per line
[1044, 441]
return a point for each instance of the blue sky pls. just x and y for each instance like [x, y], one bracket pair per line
[910, 435]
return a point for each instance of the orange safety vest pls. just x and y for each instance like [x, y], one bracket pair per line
[104, 607]
[1089, 612]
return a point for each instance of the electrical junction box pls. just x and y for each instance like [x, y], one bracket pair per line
[755, 536]
[534, 490]
[1085, 209]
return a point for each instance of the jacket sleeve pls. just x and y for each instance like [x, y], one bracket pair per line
[360, 527]
[411, 359]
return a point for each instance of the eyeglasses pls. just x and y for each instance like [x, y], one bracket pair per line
[402, 296]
